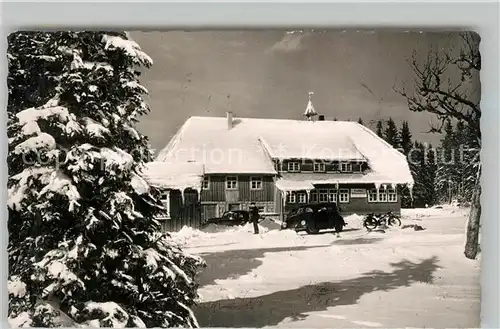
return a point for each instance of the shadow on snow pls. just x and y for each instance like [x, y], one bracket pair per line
[269, 310]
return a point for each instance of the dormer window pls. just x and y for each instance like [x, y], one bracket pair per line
[345, 167]
[294, 166]
[319, 167]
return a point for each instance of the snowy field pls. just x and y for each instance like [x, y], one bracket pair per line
[400, 278]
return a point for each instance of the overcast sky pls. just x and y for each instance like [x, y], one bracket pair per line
[269, 73]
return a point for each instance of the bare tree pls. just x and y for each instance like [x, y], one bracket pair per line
[444, 85]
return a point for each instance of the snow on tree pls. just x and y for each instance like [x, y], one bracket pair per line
[84, 245]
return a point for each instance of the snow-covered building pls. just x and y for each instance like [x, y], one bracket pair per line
[280, 164]
[180, 186]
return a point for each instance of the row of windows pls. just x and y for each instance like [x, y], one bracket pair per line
[382, 195]
[321, 167]
[322, 195]
[342, 196]
[232, 183]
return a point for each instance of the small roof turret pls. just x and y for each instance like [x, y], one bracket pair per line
[310, 111]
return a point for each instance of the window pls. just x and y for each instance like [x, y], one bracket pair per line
[345, 167]
[165, 200]
[392, 195]
[332, 195]
[356, 167]
[291, 198]
[382, 195]
[302, 198]
[313, 197]
[256, 183]
[344, 196]
[231, 182]
[372, 195]
[206, 183]
[319, 167]
[293, 166]
[323, 195]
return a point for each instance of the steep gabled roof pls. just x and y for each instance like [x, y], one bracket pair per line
[251, 143]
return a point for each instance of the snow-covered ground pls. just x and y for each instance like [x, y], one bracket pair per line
[400, 278]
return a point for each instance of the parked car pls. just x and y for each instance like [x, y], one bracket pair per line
[230, 218]
[315, 217]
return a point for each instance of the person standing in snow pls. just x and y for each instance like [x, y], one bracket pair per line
[254, 217]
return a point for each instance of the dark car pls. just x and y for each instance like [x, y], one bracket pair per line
[315, 217]
[230, 218]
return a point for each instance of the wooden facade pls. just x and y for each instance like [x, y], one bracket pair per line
[217, 189]
[307, 165]
[182, 211]
[219, 195]
[355, 203]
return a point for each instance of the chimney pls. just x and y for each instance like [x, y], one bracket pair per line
[229, 120]
[321, 117]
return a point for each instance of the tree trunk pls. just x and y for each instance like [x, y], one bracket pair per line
[472, 242]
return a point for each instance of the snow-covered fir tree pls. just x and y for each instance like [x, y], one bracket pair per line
[84, 245]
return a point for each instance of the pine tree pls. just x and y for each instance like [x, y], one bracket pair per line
[84, 246]
[428, 175]
[360, 121]
[405, 138]
[335, 119]
[391, 134]
[414, 162]
[447, 178]
[467, 161]
[380, 128]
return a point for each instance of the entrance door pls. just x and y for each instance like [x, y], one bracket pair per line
[208, 211]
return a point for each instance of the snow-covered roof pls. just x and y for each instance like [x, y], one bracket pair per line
[174, 175]
[287, 185]
[250, 144]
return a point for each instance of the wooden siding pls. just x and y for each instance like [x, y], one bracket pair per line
[187, 213]
[266, 193]
[359, 206]
[217, 190]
